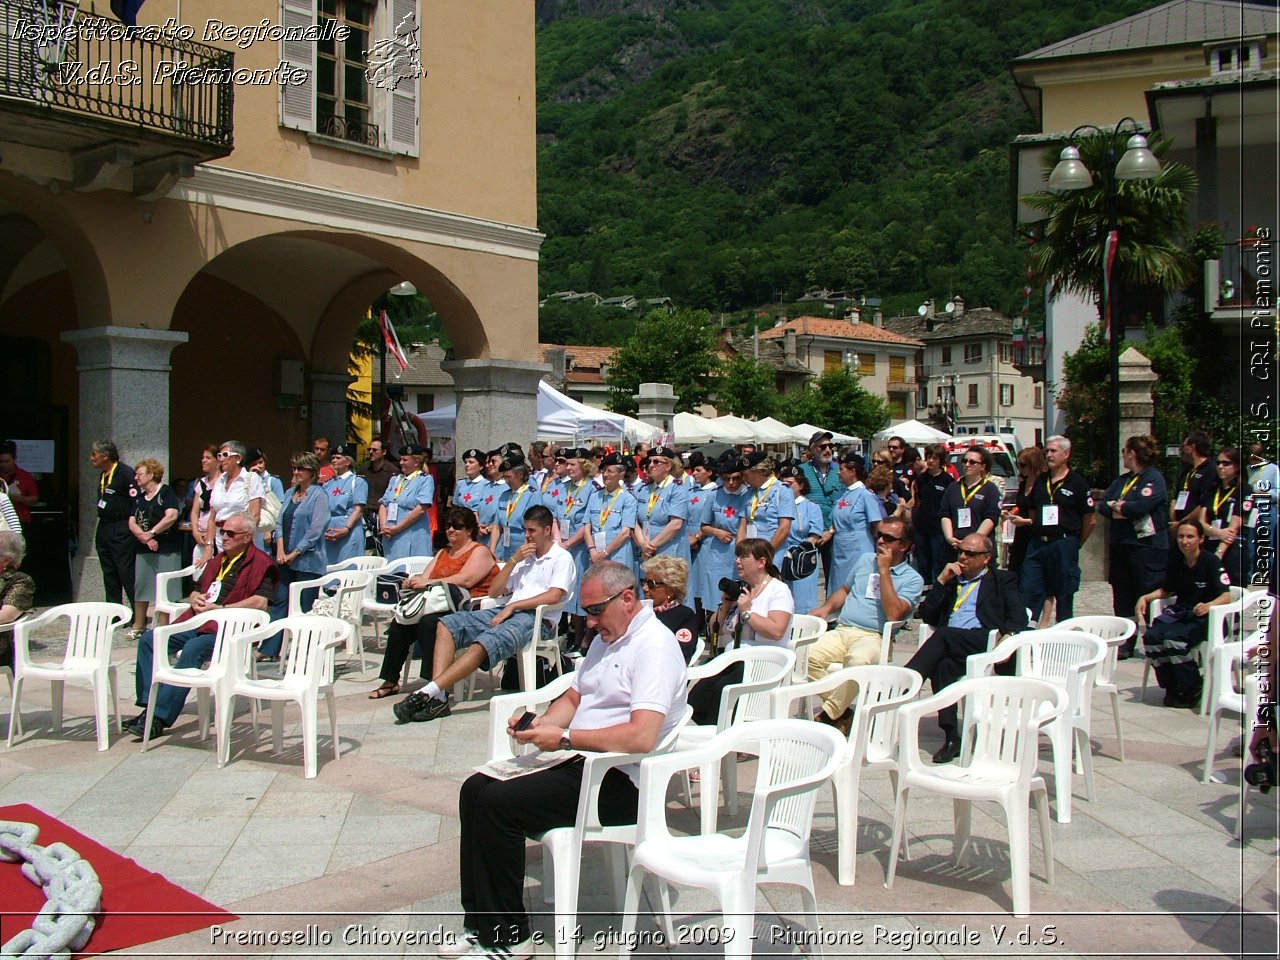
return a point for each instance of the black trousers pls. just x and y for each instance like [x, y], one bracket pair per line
[704, 696]
[117, 552]
[1135, 569]
[401, 639]
[497, 816]
[942, 661]
[824, 552]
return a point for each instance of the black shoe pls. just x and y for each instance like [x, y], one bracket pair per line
[1126, 653]
[409, 705]
[948, 752]
[433, 709]
[134, 724]
[158, 727]
[1182, 698]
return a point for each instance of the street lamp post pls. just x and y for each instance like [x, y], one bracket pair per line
[1137, 163]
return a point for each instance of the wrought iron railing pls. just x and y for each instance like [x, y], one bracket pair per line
[90, 65]
[1238, 273]
[354, 131]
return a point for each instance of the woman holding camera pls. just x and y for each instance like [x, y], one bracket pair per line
[755, 611]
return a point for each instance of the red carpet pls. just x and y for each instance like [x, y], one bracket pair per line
[138, 906]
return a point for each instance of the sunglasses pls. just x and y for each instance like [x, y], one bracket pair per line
[825, 446]
[1226, 463]
[973, 553]
[652, 584]
[456, 526]
[973, 463]
[595, 609]
[223, 454]
[888, 538]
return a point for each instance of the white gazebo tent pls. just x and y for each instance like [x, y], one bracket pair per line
[914, 432]
[801, 433]
[759, 430]
[689, 428]
[777, 428]
[559, 418]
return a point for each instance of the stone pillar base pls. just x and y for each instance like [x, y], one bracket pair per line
[124, 398]
[497, 401]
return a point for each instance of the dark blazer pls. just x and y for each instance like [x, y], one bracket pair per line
[1000, 605]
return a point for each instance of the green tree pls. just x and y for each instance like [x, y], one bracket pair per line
[746, 388]
[677, 348]
[837, 401]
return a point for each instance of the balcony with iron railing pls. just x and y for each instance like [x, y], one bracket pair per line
[1028, 360]
[112, 96]
[1239, 285]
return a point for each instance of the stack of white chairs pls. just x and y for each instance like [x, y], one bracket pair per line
[346, 590]
[87, 657]
[1116, 631]
[998, 763]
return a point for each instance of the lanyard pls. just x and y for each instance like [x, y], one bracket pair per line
[105, 480]
[967, 494]
[402, 482]
[546, 481]
[965, 595]
[1218, 501]
[1129, 486]
[653, 497]
[761, 495]
[512, 504]
[227, 564]
[604, 514]
[572, 498]
[1050, 488]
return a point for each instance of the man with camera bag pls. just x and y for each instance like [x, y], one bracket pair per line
[881, 587]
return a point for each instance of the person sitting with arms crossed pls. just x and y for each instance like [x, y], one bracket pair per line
[969, 599]
[539, 572]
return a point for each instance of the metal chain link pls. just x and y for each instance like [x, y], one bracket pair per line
[73, 894]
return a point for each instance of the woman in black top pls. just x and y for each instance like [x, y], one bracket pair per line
[1031, 463]
[666, 580]
[154, 524]
[928, 489]
[1196, 581]
[1225, 514]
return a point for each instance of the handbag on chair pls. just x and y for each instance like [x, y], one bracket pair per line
[413, 605]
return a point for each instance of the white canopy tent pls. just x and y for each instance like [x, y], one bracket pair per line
[801, 433]
[559, 418]
[760, 432]
[914, 432]
[690, 428]
[778, 429]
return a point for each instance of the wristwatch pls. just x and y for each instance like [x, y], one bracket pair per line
[565, 742]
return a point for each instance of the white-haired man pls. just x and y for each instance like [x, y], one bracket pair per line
[1062, 518]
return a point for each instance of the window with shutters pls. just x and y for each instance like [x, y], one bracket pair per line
[946, 356]
[973, 394]
[342, 89]
[832, 360]
[1006, 394]
[973, 353]
[897, 369]
[866, 364]
[1039, 397]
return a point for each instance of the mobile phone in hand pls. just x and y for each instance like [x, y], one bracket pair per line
[528, 718]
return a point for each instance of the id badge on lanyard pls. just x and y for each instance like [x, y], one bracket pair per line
[964, 518]
[752, 530]
[214, 591]
[393, 512]
[1144, 527]
[1049, 515]
[873, 587]
[1181, 502]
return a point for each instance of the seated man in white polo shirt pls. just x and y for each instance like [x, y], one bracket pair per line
[539, 572]
[627, 696]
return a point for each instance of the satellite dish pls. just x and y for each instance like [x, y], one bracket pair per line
[951, 306]
[922, 310]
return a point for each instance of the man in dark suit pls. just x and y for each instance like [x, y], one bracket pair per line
[968, 600]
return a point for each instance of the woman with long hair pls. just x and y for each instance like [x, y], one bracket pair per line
[202, 530]
[1226, 513]
[1031, 464]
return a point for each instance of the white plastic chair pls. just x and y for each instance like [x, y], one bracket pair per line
[526, 656]
[926, 631]
[872, 743]
[764, 669]
[7, 628]
[1116, 631]
[88, 657]
[1227, 624]
[347, 589]
[306, 675]
[365, 564]
[1069, 659]
[1228, 693]
[886, 638]
[803, 632]
[998, 763]
[166, 604]
[795, 758]
[378, 612]
[203, 681]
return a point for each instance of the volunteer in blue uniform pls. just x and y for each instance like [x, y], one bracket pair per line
[1196, 480]
[116, 546]
[1062, 518]
[705, 483]
[347, 494]
[470, 491]
[664, 511]
[613, 515]
[1226, 514]
[1135, 507]
[806, 526]
[972, 505]
[487, 512]
[403, 514]
[771, 509]
[854, 519]
[824, 489]
[574, 517]
[720, 523]
[507, 532]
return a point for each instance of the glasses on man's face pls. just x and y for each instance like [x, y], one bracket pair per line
[653, 584]
[826, 446]
[232, 533]
[973, 553]
[1225, 463]
[973, 463]
[595, 609]
[894, 446]
[888, 538]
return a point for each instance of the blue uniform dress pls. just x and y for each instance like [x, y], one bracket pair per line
[659, 506]
[487, 496]
[345, 494]
[808, 523]
[552, 492]
[611, 513]
[724, 510]
[574, 514]
[855, 510]
[699, 503]
[403, 494]
[509, 517]
[470, 493]
[766, 507]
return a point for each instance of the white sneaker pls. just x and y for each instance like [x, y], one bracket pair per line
[459, 947]
[517, 951]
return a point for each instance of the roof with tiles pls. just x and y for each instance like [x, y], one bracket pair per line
[839, 330]
[976, 322]
[1170, 24]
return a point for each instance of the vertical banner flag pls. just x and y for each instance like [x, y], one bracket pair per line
[126, 11]
[1108, 266]
[393, 342]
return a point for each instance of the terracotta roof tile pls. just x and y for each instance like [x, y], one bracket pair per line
[579, 357]
[839, 330]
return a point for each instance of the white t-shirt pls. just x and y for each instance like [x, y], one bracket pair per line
[226, 499]
[774, 596]
[642, 670]
[536, 575]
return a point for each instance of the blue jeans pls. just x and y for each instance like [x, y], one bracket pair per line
[1052, 569]
[280, 606]
[193, 648]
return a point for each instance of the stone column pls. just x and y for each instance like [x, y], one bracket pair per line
[329, 405]
[497, 401]
[657, 405]
[124, 398]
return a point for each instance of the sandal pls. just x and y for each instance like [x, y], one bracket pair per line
[386, 690]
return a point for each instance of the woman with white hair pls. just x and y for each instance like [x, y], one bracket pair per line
[237, 489]
[17, 590]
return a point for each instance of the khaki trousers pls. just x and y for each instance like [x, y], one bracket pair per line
[848, 647]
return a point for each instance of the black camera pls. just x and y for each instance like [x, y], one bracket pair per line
[1265, 773]
[732, 588]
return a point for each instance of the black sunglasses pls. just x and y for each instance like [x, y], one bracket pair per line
[973, 463]
[973, 553]
[651, 584]
[595, 609]
[1226, 463]
[888, 537]
[825, 446]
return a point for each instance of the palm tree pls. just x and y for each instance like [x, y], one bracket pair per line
[1152, 223]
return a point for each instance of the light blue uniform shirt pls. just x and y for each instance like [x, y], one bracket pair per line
[671, 503]
[403, 494]
[470, 493]
[509, 517]
[611, 513]
[345, 494]
[861, 610]
[965, 616]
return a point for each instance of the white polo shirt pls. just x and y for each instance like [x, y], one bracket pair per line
[535, 575]
[642, 670]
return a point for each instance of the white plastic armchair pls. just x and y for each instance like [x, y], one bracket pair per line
[347, 589]
[803, 632]
[87, 657]
[1116, 631]
[1227, 692]
[1218, 623]
[526, 656]
[887, 632]
[1227, 624]
[169, 605]
[1068, 659]
[872, 743]
[379, 612]
[357, 563]
[306, 675]
[795, 758]
[765, 668]
[204, 681]
[998, 763]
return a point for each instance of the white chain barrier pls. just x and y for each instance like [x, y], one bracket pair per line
[72, 892]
